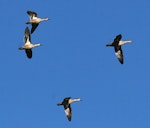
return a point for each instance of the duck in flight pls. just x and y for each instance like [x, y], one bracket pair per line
[67, 108]
[34, 20]
[28, 45]
[117, 46]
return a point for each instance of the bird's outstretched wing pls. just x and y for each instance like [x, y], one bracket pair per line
[32, 14]
[119, 54]
[29, 53]
[34, 26]
[27, 37]
[117, 39]
[68, 111]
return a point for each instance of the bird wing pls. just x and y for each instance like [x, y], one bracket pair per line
[27, 37]
[119, 54]
[34, 26]
[32, 14]
[68, 111]
[29, 53]
[117, 39]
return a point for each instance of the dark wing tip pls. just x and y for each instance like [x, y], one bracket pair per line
[31, 13]
[28, 12]
[29, 57]
[69, 118]
[68, 98]
[121, 61]
[32, 31]
[119, 37]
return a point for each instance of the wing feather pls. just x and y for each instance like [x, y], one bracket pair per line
[119, 54]
[34, 26]
[27, 37]
[29, 53]
[68, 112]
[32, 14]
[117, 39]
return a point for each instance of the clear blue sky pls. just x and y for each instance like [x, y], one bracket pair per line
[74, 61]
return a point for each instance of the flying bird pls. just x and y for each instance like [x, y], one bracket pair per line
[34, 20]
[67, 108]
[28, 45]
[117, 46]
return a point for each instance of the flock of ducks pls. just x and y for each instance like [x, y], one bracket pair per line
[34, 21]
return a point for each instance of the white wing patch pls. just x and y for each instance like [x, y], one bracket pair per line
[27, 41]
[34, 18]
[67, 111]
[118, 54]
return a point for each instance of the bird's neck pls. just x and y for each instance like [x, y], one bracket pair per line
[77, 99]
[73, 100]
[44, 19]
[37, 44]
[124, 42]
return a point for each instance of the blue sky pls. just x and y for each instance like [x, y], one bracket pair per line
[74, 61]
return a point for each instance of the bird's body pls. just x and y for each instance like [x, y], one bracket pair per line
[34, 20]
[67, 108]
[28, 45]
[117, 43]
